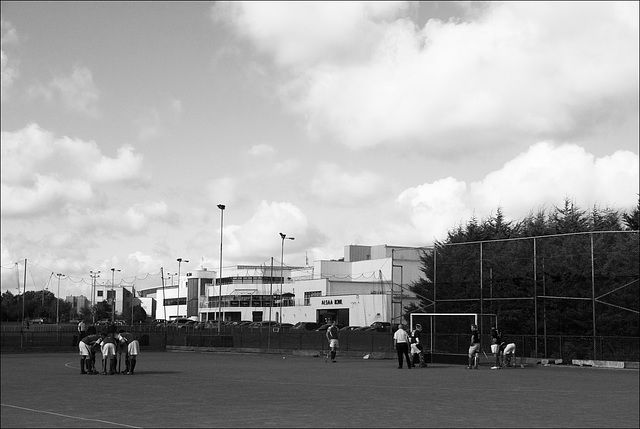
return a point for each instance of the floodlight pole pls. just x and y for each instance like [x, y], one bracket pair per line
[180, 261]
[283, 236]
[221, 207]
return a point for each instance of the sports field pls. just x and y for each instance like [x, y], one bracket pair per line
[174, 389]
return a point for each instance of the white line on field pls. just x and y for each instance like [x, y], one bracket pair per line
[69, 417]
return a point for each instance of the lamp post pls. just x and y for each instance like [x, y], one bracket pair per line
[283, 236]
[58, 301]
[113, 304]
[180, 261]
[170, 275]
[221, 207]
[94, 275]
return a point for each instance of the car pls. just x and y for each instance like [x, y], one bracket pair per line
[307, 326]
[379, 327]
[262, 324]
[353, 328]
[286, 326]
[38, 320]
[326, 326]
[75, 321]
[182, 322]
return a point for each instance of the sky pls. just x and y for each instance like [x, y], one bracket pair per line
[125, 124]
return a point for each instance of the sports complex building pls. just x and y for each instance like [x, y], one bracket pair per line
[369, 284]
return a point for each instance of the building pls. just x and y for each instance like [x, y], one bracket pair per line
[369, 284]
[78, 303]
[124, 298]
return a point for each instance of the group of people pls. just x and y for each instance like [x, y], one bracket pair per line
[114, 348]
[409, 346]
[502, 351]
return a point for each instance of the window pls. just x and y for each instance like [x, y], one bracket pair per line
[308, 295]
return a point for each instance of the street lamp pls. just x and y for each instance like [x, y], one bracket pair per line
[283, 236]
[113, 304]
[221, 207]
[94, 275]
[58, 301]
[180, 261]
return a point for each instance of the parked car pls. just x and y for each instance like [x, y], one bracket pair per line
[38, 320]
[379, 327]
[182, 322]
[308, 326]
[262, 324]
[284, 326]
[326, 326]
[354, 328]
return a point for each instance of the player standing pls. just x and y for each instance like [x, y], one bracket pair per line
[416, 346]
[474, 348]
[332, 337]
[496, 339]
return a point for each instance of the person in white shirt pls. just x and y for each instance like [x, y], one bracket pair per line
[401, 343]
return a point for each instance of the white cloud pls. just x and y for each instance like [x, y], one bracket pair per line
[434, 209]
[260, 150]
[78, 91]
[155, 122]
[518, 72]
[296, 35]
[544, 175]
[258, 236]
[126, 166]
[337, 186]
[41, 171]
[9, 67]
[548, 173]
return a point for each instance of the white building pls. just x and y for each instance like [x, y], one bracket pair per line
[356, 290]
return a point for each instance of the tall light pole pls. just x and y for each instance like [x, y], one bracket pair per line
[58, 301]
[180, 261]
[94, 275]
[284, 237]
[221, 207]
[113, 304]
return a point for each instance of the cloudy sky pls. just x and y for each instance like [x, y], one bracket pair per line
[124, 124]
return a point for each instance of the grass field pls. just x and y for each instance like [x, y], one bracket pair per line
[173, 389]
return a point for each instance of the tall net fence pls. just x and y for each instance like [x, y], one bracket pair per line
[570, 295]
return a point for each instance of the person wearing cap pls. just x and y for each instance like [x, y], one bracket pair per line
[401, 344]
[474, 348]
[416, 346]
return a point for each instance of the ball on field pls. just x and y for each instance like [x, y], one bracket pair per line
[283, 357]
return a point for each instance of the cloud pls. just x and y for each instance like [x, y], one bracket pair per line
[155, 121]
[334, 185]
[42, 172]
[548, 173]
[258, 236]
[9, 67]
[77, 91]
[545, 174]
[260, 150]
[295, 34]
[516, 72]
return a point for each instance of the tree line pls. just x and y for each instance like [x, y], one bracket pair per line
[495, 266]
[44, 304]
